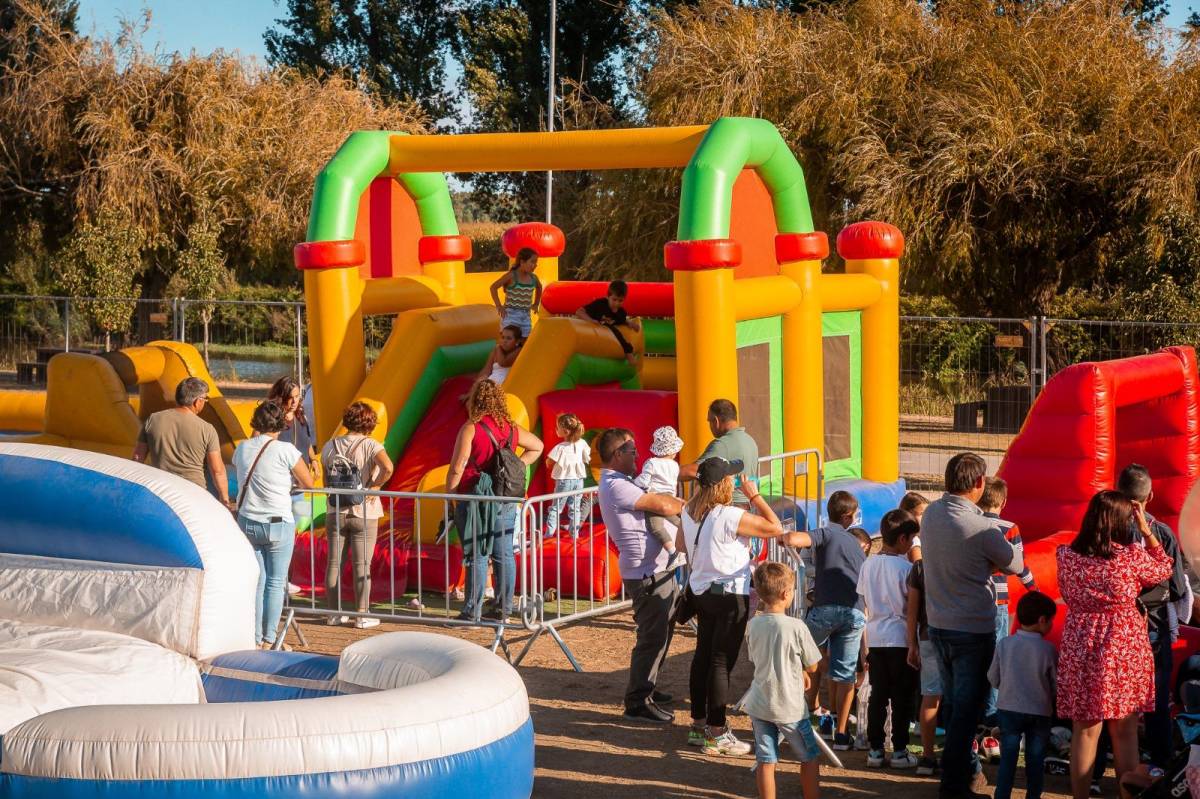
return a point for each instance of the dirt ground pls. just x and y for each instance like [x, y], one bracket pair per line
[586, 748]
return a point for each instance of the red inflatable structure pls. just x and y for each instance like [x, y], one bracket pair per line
[1089, 422]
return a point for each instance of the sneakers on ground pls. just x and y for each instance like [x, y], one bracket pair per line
[294, 589]
[724, 744]
[827, 726]
[905, 760]
[991, 749]
[842, 742]
[696, 736]
[364, 622]
[334, 621]
[875, 758]
[926, 767]
[650, 712]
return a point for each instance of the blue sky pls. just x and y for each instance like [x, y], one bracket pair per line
[207, 25]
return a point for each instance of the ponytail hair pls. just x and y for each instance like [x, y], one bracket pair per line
[573, 426]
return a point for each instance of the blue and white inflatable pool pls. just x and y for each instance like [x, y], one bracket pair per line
[126, 668]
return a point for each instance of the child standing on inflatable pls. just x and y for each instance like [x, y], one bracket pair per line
[522, 293]
[569, 461]
[609, 311]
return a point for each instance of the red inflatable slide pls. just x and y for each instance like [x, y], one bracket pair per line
[1089, 422]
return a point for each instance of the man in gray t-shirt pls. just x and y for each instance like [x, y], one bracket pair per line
[731, 442]
[643, 564]
[961, 549]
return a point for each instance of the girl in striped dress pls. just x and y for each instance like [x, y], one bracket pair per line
[522, 293]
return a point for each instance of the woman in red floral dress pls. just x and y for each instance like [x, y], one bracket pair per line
[1105, 669]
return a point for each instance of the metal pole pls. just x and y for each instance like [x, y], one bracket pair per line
[550, 104]
[67, 325]
[299, 344]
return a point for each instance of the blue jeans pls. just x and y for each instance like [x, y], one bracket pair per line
[964, 659]
[273, 543]
[576, 512]
[842, 628]
[1003, 627]
[475, 561]
[1036, 730]
[522, 319]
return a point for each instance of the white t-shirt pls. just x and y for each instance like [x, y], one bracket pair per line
[269, 491]
[571, 459]
[720, 556]
[883, 585]
[659, 476]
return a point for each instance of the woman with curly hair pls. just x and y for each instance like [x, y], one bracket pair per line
[352, 529]
[488, 428]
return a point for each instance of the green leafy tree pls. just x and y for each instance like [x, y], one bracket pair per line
[397, 47]
[200, 271]
[102, 260]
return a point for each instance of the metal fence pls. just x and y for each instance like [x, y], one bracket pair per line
[969, 382]
[557, 563]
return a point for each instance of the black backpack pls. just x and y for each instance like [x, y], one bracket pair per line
[343, 472]
[506, 469]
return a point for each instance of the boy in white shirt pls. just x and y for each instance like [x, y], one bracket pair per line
[785, 657]
[883, 585]
[660, 475]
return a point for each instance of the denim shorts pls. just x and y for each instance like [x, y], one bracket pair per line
[799, 734]
[522, 319]
[931, 672]
[841, 629]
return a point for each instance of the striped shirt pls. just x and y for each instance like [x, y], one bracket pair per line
[1012, 534]
[519, 296]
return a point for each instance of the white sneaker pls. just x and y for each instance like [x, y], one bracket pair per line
[489, 593]
[364, 622]
[416, 604]
[725, 744]
[875, 758]
[334, 621]
[905, 759]
[294, 589]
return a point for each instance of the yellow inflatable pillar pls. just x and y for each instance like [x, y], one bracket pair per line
[333, 293]
[874, 249]
[800, 256]
[705, 333]
[543, 238]
[444, 258]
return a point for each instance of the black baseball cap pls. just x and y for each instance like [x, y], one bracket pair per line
[714, 470]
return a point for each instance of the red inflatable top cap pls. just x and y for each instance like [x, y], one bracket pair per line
[329, 254]
[865, 240]
[443, 248]
[693, 256]
[541, 237]
[801, 247]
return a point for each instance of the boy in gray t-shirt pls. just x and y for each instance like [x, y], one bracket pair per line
[784, 656]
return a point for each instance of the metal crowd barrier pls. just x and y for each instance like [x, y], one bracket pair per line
[561, 576]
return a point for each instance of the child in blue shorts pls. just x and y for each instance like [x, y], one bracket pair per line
[784, 656]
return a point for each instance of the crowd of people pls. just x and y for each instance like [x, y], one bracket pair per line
[920, 630]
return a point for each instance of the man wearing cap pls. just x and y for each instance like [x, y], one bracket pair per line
[731, 442]
[644, 572]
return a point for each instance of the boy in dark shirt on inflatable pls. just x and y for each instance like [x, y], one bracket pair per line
[609, 311]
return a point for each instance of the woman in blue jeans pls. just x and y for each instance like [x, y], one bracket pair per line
[486, 528]
[267, 468]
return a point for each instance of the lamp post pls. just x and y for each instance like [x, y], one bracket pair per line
[550, 104]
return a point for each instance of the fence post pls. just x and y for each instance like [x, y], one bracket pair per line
[1034, 370]
[67, 324]
[1043, 329]
[299, 343]
[182, 320]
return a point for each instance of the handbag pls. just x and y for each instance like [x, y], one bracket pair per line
[686, 609]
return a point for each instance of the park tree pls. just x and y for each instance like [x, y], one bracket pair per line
[201, 273]
[102, 260]
[397, 48]
[90, 128]
[1021, 153]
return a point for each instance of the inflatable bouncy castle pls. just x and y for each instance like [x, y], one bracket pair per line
[127, 666]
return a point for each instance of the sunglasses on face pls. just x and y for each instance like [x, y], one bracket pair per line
[628, 448]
